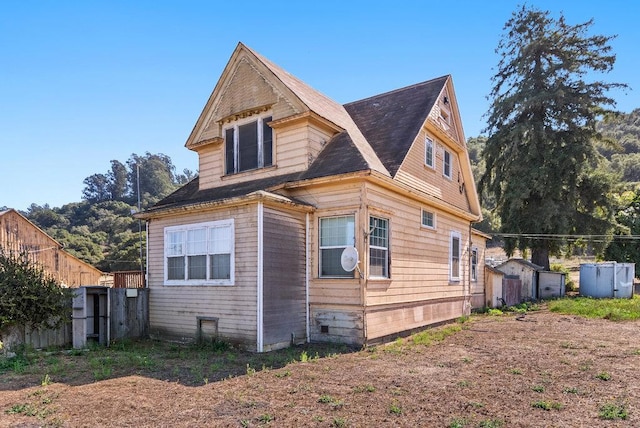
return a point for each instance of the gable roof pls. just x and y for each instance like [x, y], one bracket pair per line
[374, 134]
[54, 242]
[391, 121]
[327, 108]
[313, 100]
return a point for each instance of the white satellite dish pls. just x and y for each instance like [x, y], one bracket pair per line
[349, 259]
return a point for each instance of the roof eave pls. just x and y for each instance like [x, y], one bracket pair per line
[257, 196]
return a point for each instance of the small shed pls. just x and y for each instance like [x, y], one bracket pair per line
[551, 285]
[493, 279]
[528, 274]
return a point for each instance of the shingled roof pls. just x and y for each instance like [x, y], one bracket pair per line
[378, 133]
[391, 121]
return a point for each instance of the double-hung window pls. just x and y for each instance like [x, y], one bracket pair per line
[474, 264]
[248, 145]
[428, 153]
[446, 164]
[199, 254]
[336, 234]
[378, 247]
[454, 257]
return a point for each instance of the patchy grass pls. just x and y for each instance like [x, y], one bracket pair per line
[196, 364]
[612, 411]
[611, 309]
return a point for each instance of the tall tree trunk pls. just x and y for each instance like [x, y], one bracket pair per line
[540, 257]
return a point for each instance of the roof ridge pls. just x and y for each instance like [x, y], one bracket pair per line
[327, 108]
[393, 91]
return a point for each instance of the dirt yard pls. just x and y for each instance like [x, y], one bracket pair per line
[536, 370]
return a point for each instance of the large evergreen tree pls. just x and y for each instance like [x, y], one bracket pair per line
[540, 157]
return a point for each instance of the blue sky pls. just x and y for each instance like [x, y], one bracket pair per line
[85, 82]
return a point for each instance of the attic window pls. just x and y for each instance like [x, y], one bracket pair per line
[248, 145]
[428, 153]
[446, 164]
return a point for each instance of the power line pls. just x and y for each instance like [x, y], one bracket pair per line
[569, 237]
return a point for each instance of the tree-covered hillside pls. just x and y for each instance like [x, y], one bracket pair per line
[623, 152]
[101, 228]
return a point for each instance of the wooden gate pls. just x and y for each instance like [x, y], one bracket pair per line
[511, 290]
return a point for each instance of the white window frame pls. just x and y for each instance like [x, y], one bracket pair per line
[429, 160]
[349, 241]
[474, 264]
[182, 250]
[433, 219]
[453, 257]
[384, 249]
[446, 164]
[260, 120]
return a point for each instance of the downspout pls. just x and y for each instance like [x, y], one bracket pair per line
[260, 281]
[467, 297]
[307, 267]
[146, 261]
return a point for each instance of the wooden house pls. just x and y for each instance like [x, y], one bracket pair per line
[291, 186]
[18, 234]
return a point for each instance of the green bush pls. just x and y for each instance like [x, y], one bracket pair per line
[570, 285]
[29, 296]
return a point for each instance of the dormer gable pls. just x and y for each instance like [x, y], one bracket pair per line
[438, 160]
[261, 121]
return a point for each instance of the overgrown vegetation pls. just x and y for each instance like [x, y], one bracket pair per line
[28, 295]
[611, 309]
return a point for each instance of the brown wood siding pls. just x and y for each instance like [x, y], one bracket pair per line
[419, 291]
[415, 173]
[284, 289]
[332, 200]
[384, 321]
[173, 310]
[419, 255]
[211, 165]
[18, 234]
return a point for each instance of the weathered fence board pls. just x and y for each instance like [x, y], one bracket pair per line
[129, 313]
[128, 319]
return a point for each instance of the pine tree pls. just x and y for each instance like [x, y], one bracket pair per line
[540, 155]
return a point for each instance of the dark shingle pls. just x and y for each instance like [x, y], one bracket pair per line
[339, 156]
[190, 195]
[391, 121]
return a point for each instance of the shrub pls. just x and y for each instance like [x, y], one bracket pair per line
[569, 284]
[29, 296]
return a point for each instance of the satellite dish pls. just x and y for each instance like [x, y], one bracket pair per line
[349, 259]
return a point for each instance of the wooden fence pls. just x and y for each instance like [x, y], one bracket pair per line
[128, 319]
[128, 279]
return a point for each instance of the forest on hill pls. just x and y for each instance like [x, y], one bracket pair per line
[101, 229]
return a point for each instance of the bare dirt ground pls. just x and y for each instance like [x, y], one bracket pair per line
[537, 370]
